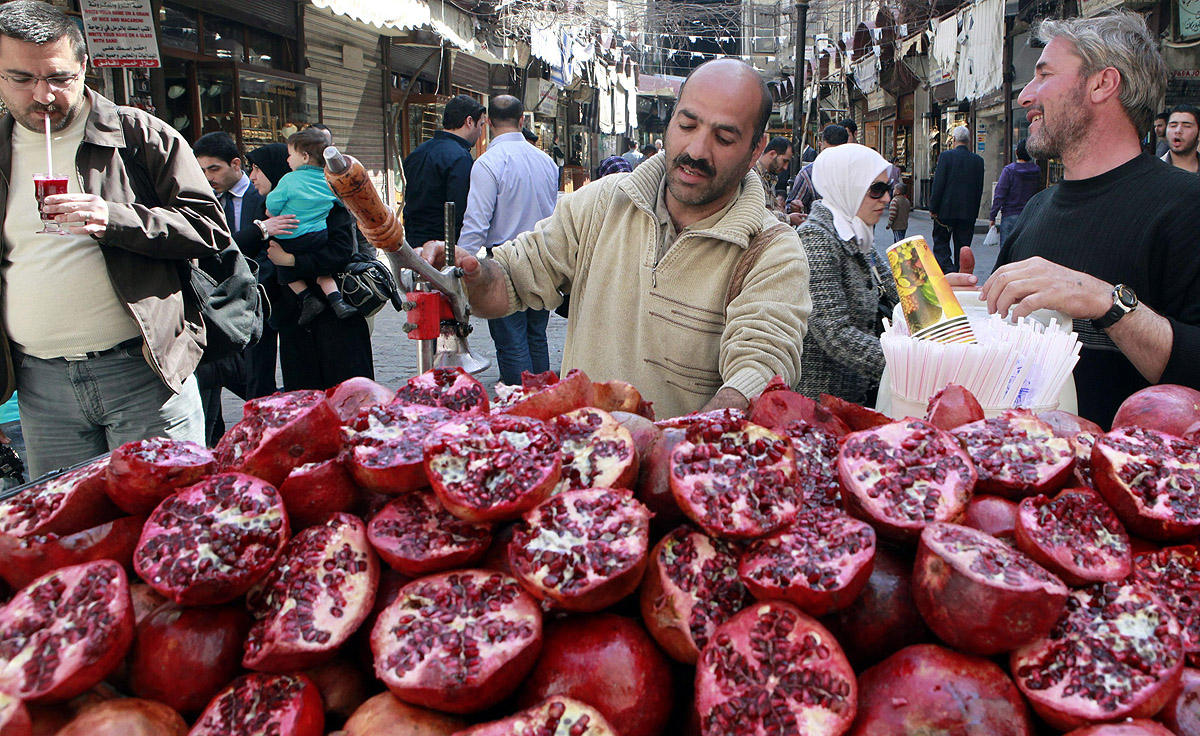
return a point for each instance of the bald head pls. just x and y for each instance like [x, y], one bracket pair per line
[737, 76]
[506, 111]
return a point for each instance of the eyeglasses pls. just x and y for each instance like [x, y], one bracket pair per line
[27, 82]
[878, 189]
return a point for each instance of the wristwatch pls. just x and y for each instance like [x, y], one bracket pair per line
[1124, 302]
[262, 227]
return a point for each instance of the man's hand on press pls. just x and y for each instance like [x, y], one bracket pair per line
[80, 214]
[1036, 283]
[434, 251]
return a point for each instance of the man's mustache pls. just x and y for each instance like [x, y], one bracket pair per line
[701, 165]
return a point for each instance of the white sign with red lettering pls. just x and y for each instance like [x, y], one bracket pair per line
[120, 33]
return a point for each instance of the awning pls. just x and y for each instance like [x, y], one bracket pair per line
[393, 18]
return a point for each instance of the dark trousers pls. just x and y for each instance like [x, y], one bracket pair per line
[520, 340]
[260, 364]
[211, 377]
[962, 231]
[898, 235]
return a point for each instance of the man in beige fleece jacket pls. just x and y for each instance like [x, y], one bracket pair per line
[647, 258]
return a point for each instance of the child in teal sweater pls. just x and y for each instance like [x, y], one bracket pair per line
[305, 194]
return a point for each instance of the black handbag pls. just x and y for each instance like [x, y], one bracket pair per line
[366, 284]
[885, 305]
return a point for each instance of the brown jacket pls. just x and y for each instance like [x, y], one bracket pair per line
[898, 213]
[143, 246]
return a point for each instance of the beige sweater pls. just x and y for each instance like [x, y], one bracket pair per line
[662, 326]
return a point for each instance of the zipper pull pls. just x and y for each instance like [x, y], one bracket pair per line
[654, 277]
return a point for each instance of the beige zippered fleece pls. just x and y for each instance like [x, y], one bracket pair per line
[663, 326]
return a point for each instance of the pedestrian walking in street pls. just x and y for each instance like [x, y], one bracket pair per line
[440, 171]
[898, 212]
[328, 350]
[803, 192]
[842, 355]
[632, 154]
[513, 185]
[1160, 134]
[776, 159]
[1183, 133]
[650, 257]
[954, 201]
[1018, 181]
[100, 342]
[613, 165]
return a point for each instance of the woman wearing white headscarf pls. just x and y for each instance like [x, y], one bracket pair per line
[842, 355]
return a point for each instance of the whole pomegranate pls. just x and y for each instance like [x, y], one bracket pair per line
[610, 663]
[61, 505]
[353, 394]
[1076, 536]
[820, 565]
[953, 407]
[904, 475]
[691, 586]
[416, 535]
[14, 717]
[65, 632]
[1017, 455]
[735, 479]
[385, 715]
[980, 595]
[492, 468]
[1115, 653]
[992, 514]
[210, 542]
[653, 486]
[1165, 407]
[772, 669]
[1131, 727]
[344, 685]
[597, 451]
[557, 716]
[126, 717]
[815, 451]
[928, 689]
[459, 641]
[142, 473]
[314, 598]
[383, 446]
[264, 705]
[24, 558]
[1173, 574]
[314, 492]
[1149, 478]
[545, 395]
[448, 388]
[582, 550]
[204, 642]
[1182, 712]
[279, 433]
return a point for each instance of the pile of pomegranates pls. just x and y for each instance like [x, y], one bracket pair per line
[426, 561]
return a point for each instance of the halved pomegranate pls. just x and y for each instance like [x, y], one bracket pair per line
[734, 478]
[264, 705]
[416, 535]
[142, 473]
[952, 407]
[459, 641]
[1173, 574]
[383, 446]
[778, 404]
[203, 642]
[448, 388]
[314, 492]
[62, 505]
[14, 717]
[126, 717]
[928, 689]
[211, 541]
[1150, 479]
[820, 564]
[904, 475]
[981, 595]
[815, 451]
[279, 433]
[611, 396]
[1114, 653]
[1082, 443]
[992, 514]
[385, 715]
[597, 451]
[1066, 424]
[772, 669]
[582, 550]
[1165, 408]
[1076, 536]
[545, 395]
[556, 716]
[691, 587]
[24, 558]
[1131, 727]
[1017, 455]
[349, 397]
[65, 632]
[492, 468]
[856, 417]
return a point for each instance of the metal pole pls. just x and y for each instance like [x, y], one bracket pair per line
[798, 86]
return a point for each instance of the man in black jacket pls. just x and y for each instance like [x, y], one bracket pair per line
[439, 171]
[954, 202]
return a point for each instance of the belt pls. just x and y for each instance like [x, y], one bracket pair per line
[129, 344]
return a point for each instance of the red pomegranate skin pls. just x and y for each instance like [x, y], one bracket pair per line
[1182, 712]
[952, 407]
[14, 717]
[385, 715]
[126, 717]
[929, 689]
[23, 559]
[142, 473]
[1166, 407]
[1132, 727]
[992, 514]
[314, 492]
[610, 663]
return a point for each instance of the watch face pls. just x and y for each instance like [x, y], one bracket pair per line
[1126, 296]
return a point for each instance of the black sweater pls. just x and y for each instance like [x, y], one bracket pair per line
[1138, 225]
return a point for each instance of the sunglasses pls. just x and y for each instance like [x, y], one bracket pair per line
[877, 189]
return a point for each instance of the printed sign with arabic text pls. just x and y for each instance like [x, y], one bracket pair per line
[120, 33]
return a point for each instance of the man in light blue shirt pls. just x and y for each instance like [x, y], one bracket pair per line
[513, 185]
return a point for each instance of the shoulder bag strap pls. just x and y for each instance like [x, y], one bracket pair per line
[750, 257]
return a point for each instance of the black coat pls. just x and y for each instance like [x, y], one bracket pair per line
[249, 237]
[438, 171]
[957, 185]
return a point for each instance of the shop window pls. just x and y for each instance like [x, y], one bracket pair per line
[273, 108]
[224, 39]
[268, 50]
[214, 87]
[179, 28]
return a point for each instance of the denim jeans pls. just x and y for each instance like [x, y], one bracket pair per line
[73, 410]
[520, 340]
[1006, 226]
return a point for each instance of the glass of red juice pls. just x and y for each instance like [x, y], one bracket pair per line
[45, 185]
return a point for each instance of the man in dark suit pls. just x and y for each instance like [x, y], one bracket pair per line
[954, 203]
[252, 373]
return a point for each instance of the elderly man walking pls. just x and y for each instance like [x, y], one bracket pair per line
[955, 199]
